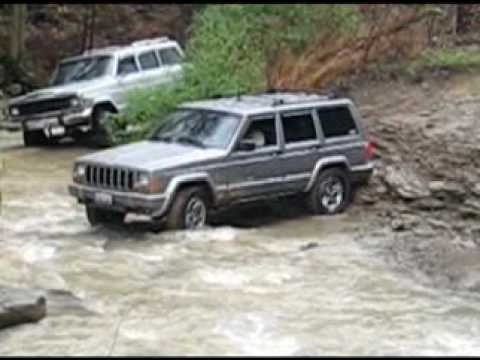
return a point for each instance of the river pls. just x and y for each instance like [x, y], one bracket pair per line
[296, 285]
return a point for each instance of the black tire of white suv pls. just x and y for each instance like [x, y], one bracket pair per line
[331, 193]
[190, 209]
[101, 137]
[34, 138]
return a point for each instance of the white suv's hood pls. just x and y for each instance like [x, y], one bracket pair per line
[79, 87]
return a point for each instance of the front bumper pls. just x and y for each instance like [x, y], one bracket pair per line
[47, 121]
[153, 205]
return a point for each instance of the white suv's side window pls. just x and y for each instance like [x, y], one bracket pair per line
[127, 65]
[148, 60]
[170, 56]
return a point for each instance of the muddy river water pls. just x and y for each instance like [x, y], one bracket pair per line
[299, 285]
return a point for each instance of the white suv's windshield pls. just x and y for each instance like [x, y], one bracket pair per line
[202, 128]
[82, 69]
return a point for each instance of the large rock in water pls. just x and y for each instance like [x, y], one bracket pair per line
[18, 306]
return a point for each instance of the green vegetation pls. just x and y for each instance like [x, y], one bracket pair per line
[230, 50]
[447, 58]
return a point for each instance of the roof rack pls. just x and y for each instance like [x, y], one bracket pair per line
[151, 41]
[330, 95]
[108, 48]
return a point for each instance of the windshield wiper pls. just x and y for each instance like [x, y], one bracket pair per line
[190, 140]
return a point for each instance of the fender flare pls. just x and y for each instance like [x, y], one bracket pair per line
[180, 180]
[322, 163]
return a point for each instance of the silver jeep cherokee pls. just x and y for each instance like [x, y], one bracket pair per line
[211, 154]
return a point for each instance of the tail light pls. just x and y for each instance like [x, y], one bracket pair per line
[368, 150]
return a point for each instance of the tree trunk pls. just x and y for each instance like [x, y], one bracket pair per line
[91, 38]
[454, 15]
[84, 35]
[17, 31]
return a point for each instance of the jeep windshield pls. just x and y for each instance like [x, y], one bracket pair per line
[201, 128]
[86, 68]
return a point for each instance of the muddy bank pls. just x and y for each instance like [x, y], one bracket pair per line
[426, 191]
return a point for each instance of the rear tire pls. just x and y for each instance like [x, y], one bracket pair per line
[96, 216]
[331, 193]
[190, 209]
[34, 138]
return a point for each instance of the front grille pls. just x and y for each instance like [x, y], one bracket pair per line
[111, 177]
[44, 106]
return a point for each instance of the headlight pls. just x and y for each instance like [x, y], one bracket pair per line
[79, 172]
[147, 184]
[75, 102]
[14, 111]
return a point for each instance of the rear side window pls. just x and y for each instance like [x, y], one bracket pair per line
[298, 127]
[337, 121]
[170, 56]
[127, 66]
[148, 60]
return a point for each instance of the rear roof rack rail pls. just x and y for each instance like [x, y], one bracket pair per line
[152, 41]
[330, 95]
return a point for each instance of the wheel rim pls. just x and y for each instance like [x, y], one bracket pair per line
[195, 213]
[332, 193]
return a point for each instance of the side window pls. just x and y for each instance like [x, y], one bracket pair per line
[127, 65]
[262, 132]
[298, 127]
[337, 121]
[170, 56]
[148, 60]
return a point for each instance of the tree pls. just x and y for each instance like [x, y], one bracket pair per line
[17, 31]
[88, 27]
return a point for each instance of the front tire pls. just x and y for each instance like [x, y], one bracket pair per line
[100, 136]
[189, 210]
[96, 216]
[332, 192]
[34, 138]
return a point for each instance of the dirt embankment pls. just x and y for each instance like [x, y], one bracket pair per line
[426, 191]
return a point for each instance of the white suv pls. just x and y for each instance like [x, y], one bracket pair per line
[85, 89]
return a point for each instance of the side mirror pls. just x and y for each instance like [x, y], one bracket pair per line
[246, 145]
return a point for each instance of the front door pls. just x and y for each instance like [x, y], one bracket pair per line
[256, 173]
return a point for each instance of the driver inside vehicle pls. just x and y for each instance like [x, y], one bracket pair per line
[258, 137]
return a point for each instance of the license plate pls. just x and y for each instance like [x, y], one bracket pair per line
[103, 199]
[41, 123]
[57, 130]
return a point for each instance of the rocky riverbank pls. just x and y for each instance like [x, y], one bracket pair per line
[427, 184]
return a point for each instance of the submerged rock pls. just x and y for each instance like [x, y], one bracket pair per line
[18, 306]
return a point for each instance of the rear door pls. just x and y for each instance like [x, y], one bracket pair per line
[301, 151]
[171, 59]
[152, 70]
